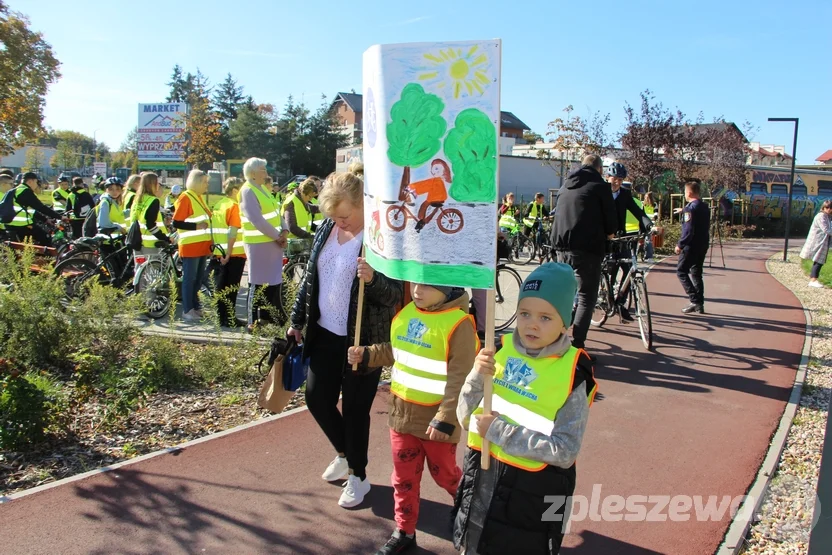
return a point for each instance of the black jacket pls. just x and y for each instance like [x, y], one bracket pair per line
[625, 202]
[584, 213]
[513, 522]
[382, 299]
[28, 199]
[78, 200]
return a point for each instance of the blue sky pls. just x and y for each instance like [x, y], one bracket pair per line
[738, 59]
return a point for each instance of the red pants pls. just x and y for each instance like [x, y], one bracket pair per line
[409, 453]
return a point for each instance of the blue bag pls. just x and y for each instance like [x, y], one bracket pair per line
[295, 367]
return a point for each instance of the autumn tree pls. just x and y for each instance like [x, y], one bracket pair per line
[725, 156]
[531, 137]
[35, 159]
[573, 137]
[202, 133]
[648, 134]
[684, 152]
[65, 157]
[27, 68]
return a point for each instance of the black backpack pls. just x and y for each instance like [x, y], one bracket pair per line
[134, 237]
[90, 228]
[7, 209]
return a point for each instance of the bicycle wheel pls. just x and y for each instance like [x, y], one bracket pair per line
[603, 305]
[396, 218]
[645, 320]
[506, 295]
[523, 249]
[77, 273]
[153, 283]
[450, 221]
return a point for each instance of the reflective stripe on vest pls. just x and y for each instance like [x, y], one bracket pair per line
[200, 214]
[127, 206]
[271, 213]
[507, 220]
[60, 204]
[219, 229]
[536, 212]
[528, 392]
[631, 223]
[301, 213]
[22, 216]
[420, 349]
[139, 209]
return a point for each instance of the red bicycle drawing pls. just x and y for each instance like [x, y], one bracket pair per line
[449, 220]
[375, 231]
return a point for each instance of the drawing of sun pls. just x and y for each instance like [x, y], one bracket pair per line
[462, 70]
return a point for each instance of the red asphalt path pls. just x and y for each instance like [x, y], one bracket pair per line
[693, 418]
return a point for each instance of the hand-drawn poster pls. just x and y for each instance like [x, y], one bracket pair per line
[431, 119]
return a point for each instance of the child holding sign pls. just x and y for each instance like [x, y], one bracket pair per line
[432, 348]
[543, 387]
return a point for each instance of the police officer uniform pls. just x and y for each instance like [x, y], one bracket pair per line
[696, 221]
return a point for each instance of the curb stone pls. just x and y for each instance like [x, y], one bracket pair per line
[734, 539]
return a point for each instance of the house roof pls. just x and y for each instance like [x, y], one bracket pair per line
[721, 126]
[825, 157]
[764, 152]
[354, 102]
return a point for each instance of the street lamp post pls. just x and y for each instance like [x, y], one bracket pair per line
[791, 184]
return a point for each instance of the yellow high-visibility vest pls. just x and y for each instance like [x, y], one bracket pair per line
[420, 349]
[219, 228]
[138, 211]
[528, 392]
[631, 223]
[23, 216]
[302, 215]
[271, 213]
[59, 204]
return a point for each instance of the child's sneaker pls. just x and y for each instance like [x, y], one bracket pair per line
[399, 542]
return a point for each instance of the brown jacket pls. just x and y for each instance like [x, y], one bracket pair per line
[410, 418]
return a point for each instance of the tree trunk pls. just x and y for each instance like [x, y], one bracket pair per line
[405, 183]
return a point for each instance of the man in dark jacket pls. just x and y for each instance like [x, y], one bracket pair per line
[692, 247]
[624, 202]
[585, 218]
[26, 199]
[80, 203]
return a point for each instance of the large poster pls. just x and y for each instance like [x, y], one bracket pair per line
[161, 132]
[431, 120]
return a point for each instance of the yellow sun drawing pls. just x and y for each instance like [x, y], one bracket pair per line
[463, 70]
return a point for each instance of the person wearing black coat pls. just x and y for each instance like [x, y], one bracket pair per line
[585, 218]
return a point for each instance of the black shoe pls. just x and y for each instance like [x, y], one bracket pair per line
[693, 307]
[624, 314]
[399, 542]
[419, 225]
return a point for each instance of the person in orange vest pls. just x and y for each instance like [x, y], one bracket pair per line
[192, 219]
[432, 347]
[543, 388]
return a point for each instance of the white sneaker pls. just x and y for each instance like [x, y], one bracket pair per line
[191, 316]
[817, 284]
[337, 470]
[354, 492]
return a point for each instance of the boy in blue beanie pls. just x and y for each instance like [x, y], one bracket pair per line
[543, 388]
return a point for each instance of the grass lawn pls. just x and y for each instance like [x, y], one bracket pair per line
[825, 272]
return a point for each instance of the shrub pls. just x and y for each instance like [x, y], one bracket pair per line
[23, 409]
[233, 365]
[169, 363]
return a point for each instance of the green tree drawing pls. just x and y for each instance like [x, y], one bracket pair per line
[415, 130]
[471, 147]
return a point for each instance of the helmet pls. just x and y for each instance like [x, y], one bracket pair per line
[176, 189]
[18, 179]
[617, 170]
[113, 181]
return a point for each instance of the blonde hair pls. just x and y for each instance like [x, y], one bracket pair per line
[148, 182]
[230, 184]
[341, 187]
[356, 167]
[309, 187]
[133, 182]
[194, 178]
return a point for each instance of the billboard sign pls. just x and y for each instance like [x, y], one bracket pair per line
[161, 132]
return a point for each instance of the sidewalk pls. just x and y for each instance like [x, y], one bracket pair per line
[694, 417]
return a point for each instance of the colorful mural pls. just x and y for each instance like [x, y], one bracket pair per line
[774, 206]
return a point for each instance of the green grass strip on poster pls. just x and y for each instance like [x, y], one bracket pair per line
[457, 275]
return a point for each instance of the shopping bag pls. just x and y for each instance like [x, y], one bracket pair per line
[273, 397]
[295, 367]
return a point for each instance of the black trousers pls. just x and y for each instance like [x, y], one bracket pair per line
[347, 430]
[689, 271]
[815, 270]
[587, 267]
[35, 233]
[227, 285]
[263, 306]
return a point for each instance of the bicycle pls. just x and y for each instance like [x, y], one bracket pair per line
[542, 249]
[294, 272]
[507, 285]
[115, 269]
[633, 282]
[520, 248]
[449, 220]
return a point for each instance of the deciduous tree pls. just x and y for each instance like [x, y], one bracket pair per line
[27, 68]
[35, 159]
[648, 135]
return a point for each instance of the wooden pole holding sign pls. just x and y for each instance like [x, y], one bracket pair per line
[359, 314]
[488, 388]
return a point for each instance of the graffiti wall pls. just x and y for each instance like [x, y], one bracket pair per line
[774, 206]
